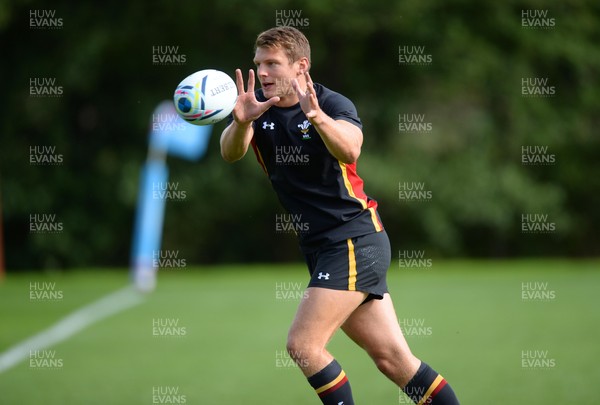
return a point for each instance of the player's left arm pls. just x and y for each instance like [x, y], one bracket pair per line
[342, 138]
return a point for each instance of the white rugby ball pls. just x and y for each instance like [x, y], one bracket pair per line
[205, 97]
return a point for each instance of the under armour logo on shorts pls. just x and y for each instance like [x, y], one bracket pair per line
[325, 276]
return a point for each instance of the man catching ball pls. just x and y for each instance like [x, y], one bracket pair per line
[345, 245]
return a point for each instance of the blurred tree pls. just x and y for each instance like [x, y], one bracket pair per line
[470, 94]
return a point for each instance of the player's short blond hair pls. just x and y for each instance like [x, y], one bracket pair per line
[289, 39]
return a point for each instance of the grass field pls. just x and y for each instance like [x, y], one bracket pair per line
[219, 336]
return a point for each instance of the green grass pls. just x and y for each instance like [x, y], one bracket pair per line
[477, 321]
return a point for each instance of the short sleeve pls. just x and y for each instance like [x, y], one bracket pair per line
[340, 107]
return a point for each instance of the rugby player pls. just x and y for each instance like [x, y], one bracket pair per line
[346, 247]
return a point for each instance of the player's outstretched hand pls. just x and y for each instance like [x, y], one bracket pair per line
[247, 107]
[308, 99]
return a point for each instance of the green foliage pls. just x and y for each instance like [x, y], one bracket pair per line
[470, 93]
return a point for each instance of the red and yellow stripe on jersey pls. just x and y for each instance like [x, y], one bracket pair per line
[259, 157]
[354, 185]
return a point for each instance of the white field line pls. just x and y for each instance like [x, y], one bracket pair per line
[70, 325]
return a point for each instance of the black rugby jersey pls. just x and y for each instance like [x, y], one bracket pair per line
[324, 196]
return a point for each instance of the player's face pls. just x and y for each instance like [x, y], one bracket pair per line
[275, 72]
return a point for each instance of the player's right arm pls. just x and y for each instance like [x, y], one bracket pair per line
[236, 138]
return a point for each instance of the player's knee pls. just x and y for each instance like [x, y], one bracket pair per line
[295, 347]
[393, 363]
[386, 365]
[300, 348]
[387, 361]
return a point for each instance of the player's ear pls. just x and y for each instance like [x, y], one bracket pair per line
[303, 65]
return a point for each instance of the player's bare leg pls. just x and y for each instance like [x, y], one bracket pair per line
[374, 326]
[319, 315]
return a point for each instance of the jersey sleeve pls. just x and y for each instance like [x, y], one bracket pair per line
[340, 107]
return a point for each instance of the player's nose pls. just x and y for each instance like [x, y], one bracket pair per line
[261, 71]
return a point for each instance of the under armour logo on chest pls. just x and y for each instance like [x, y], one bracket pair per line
[270, 125]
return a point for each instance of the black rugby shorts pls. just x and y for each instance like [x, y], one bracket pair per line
[355, 264]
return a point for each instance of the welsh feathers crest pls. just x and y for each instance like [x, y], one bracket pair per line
[304, 129]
